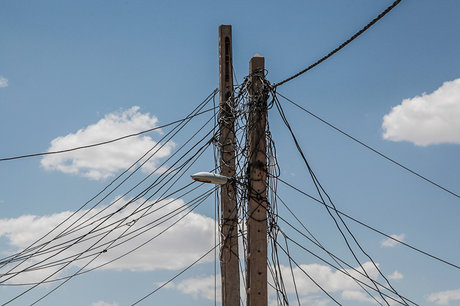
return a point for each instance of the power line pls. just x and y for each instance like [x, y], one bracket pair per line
[370, 227]
[308, 275]
[98, 254]
[317, 243]
[342, 271]
[370, 24]
[60, 245]
[177, 275]
[108, 141]
[183, 123]
[321, 190]
[108, 216]
[369, 147]
[137, 197]
[193, 205]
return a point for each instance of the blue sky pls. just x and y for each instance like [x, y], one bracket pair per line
[90, 70]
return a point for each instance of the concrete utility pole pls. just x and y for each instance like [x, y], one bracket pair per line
[256, 261]
[229, 262]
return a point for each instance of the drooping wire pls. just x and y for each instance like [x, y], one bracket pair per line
[84, 266]
[216, 203]
[370, 227]
[160, 219]
[186, 120]
[61, 234]
[145, 210]
[121, 222]
[321, 190]
[103, 142]
[97, 254]
[356, 35]
[315, 241]
[309, 276]
[192, 205]
[369, 147]
[292, 271]
[341, 271]
[176, 275]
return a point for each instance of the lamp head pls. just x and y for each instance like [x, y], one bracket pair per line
[212, 178]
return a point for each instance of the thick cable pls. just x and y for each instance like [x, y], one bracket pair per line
[370, 24]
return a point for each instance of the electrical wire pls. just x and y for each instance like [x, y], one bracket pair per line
[85, 235]
[369, 147]
[176, 275]
[309, 276]
[321, 190]
[315, 241]
[128, 191]
[190, 116]
[340, 270]
[122, 221]
[356, 35]
[370, 227]
[84, 266]
[108, 141]
[206, 195]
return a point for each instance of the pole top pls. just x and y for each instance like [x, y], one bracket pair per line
[225, 28]
[257, 63]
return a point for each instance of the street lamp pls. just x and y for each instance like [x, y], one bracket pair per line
[208, 177]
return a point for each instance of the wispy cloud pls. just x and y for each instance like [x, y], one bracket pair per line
[389, 243]
[3, 82]
[444, 297]
[427, 119]
[201, 287]
[104, 161]
[396, 275]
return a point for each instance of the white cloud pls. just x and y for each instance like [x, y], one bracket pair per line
[427, 119]
[357, 295]
[104, 161]
[334, 282]
[444, 297]
[176, 248]
[314, 301]
[390, 242]
[3, 82]
[396, 275]
[329, 280]
[102, 303]
[201, 287]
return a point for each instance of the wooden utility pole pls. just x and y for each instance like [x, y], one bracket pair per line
[256, 261]
[229, 262]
